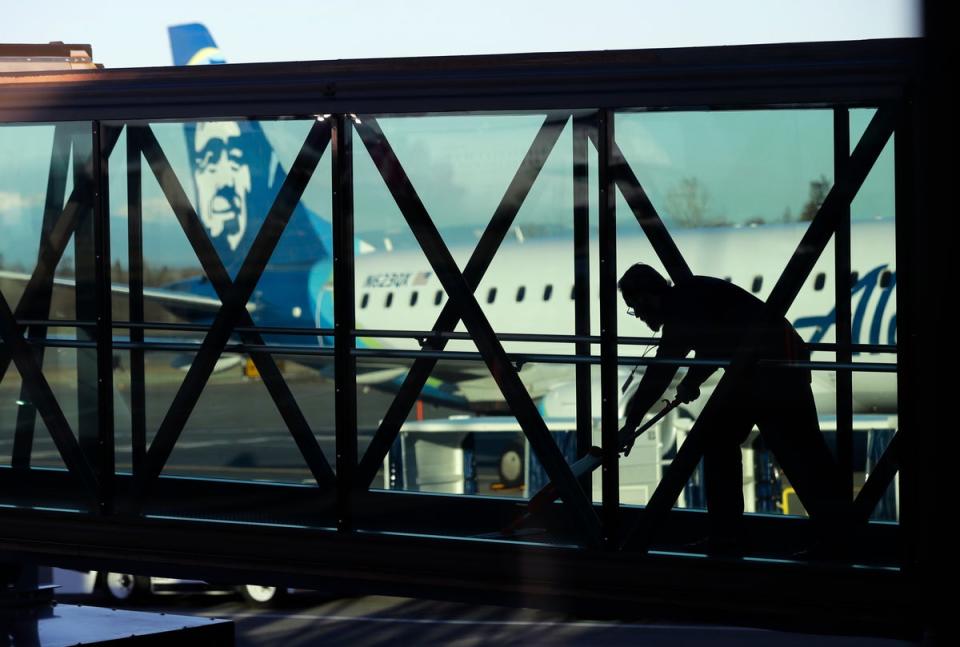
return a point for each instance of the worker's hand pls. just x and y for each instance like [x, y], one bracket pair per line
[687, 392]
[628, 432]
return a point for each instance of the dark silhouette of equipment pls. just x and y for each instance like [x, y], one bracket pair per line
[593, 459]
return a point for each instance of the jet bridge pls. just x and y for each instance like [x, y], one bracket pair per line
[95, 423]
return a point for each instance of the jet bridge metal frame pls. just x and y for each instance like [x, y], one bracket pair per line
[145, 521]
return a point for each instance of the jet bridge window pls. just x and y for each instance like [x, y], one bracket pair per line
[365, 299]
[819, 281]
[438, 298]
[521, 292]
[757, 284]
[413, 298]
[491, 295]
[389, 300]
[547, 292]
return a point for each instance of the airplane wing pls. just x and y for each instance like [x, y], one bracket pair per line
[161, 296]
[203, 306]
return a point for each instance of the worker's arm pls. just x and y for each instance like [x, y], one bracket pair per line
[655, 381]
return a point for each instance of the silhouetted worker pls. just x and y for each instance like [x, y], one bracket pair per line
[712, 318]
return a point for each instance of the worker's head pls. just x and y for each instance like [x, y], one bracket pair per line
[643, 289]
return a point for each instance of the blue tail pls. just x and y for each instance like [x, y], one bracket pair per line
[236, 176]
[192, 44]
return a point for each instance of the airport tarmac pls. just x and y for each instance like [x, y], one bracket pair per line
[371, 621]
[234, 431]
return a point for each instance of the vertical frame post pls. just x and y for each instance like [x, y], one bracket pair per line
[104, 464]
[581, 286]
[925, 189]
[345, 362]
[609, 399]
[138, 397]
[85, 174]
[844, 327]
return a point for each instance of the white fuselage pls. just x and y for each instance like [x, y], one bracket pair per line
[528, 289]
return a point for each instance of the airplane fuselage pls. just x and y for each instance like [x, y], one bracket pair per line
[529, 289]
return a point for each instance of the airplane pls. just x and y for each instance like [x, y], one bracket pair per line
[398, 289]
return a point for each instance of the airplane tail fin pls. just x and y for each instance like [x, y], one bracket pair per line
[236, 176]
[192, 44]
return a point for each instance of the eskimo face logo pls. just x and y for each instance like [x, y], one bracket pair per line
[223, 180]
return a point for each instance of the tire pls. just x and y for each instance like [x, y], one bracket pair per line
[124, 587]
[510, 466]
[261, 596]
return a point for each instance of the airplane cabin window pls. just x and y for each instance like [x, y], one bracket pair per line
[438, 298]
[413, 298]
[854, 277]
[491, 295]
[547, 292]
[728, 279]
[389, 300]
[364, 300]
[521, 292]
[757, 284]
[886, 279]
[819, 281]
[573, 293]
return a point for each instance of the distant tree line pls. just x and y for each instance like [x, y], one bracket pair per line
[688, 205]
[153, 275]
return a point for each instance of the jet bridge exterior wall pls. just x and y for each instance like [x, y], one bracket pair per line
[332, 525]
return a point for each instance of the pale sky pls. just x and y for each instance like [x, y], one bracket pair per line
[130, 34]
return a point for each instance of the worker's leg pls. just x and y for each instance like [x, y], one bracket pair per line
[787, 418]
[723, 470]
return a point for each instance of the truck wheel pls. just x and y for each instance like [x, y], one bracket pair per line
[511, 466]
[124, 587]
[261, 596]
